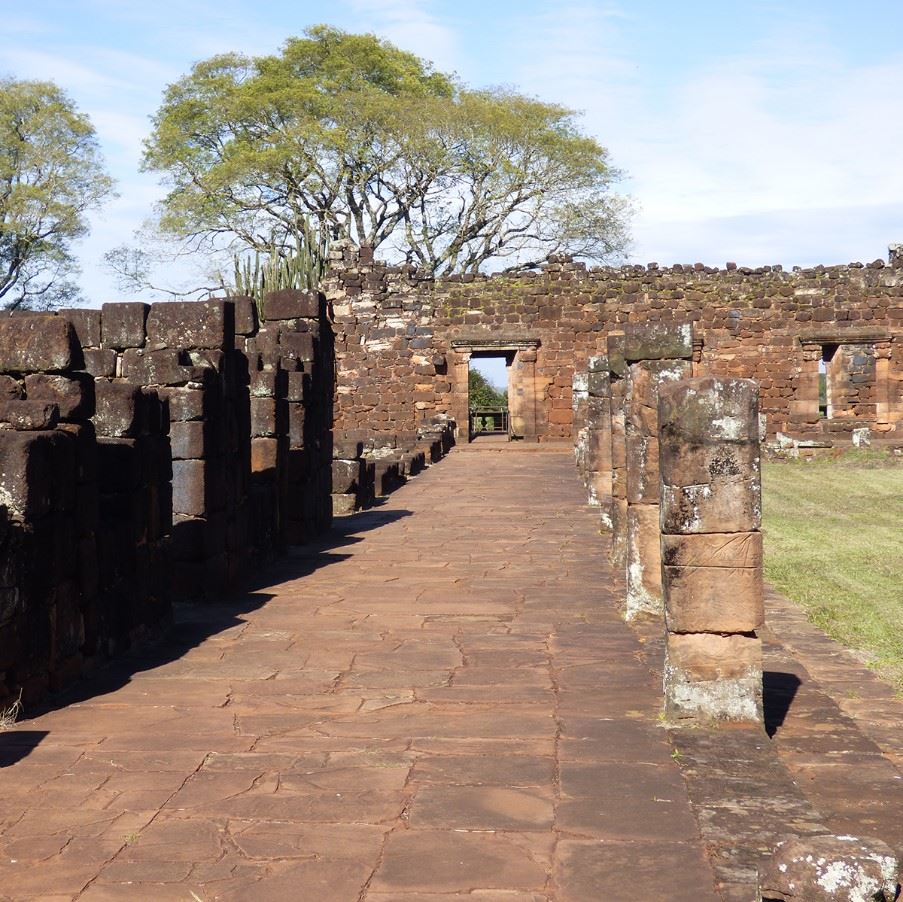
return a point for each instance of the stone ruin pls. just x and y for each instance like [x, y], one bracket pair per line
[151, 453]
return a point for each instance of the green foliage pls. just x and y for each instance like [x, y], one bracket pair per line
[51, 174]
[378, 147]
[301, 267]
[482, 394]
[833, 544]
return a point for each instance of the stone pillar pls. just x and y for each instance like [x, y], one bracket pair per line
[617, 379]
[598, 446]
[580, 398]
[711, 549]
[655, 355]
[459, 370]
[522, 396]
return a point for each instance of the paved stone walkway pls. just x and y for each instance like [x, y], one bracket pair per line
[439, 703]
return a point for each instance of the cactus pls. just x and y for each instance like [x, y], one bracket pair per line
[299, 263]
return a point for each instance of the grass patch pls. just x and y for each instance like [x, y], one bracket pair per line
[834, 544]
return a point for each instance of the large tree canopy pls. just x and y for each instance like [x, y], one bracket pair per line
[50, 176]
[375, 145]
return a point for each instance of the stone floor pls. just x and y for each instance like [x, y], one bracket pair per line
[439, 702]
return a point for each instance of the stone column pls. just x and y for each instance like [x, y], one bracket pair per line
[617, 377]
[711, 549]
[580, 399]
[655, 355]
[598, 445]
[459, 370]
[522, 396]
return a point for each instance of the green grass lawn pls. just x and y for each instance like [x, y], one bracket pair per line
[834, 544]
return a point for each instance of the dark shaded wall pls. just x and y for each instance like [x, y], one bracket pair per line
[151, 452]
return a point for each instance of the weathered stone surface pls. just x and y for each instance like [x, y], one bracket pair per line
[713, 677]
[830, 869]
[118, 408]
[713, 599]
[87, 325]
[343, 504]
[73, 394]
[245, 314]
[657, 341]
[28, 473]
[298, 345]
[29, 415]
[730, 549]
[188, 439]
[191, 324]
[123, 325]
[712, 507]
[38, 343]
[291, 304]
[644, 562]
[264, 454]
[189, 487]
[346, 476]
[167, 367]
[100, 362]
[187, 403]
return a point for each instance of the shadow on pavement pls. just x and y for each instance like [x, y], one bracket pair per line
[778, 691]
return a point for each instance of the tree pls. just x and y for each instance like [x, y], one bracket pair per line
[51, 174]
[377, 147]
[482, 393]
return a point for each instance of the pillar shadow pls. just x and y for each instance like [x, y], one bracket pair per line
[778, 691]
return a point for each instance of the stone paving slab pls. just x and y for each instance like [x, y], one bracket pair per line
[438, 702]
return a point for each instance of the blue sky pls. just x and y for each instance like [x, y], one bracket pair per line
[760, 132]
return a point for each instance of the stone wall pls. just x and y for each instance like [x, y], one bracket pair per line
[404, 341]
[151, 452]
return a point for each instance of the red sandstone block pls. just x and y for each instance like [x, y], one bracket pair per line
[713, 599]
[27, 464]
[10, 389]
[87, 325]
[188, 325]
[122, 325]
[73, 394]
[187, 403]
[166, 367]
[291, 304]
[657, 341]
[100, 362]
[188, 439]
[743, 549]
[717, 507]
[298, 345]
[37, 343]
[346, 476]
[296, 386]
[246, 321]
[189, 487]
[297, 416]
[118, 408]
[703, 657]
[29, 416]
[264, 455]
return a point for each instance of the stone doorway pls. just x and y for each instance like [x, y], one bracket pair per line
[520, 360]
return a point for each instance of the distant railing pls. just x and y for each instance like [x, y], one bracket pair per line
[489, 421]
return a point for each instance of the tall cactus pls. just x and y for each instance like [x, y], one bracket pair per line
[299, 263]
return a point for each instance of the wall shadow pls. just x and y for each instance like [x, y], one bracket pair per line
[18, 744]
[778, 691]
[195, 622]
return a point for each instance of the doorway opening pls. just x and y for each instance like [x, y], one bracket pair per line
[488, 383]
[825, 393]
